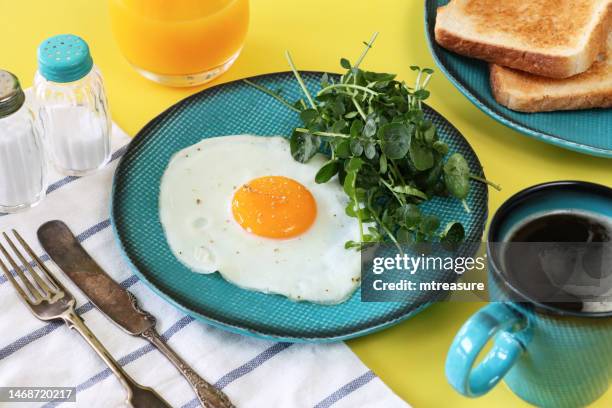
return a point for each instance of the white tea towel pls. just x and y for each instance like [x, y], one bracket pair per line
[254, 373]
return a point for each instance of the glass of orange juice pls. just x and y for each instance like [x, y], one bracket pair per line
[180, 42]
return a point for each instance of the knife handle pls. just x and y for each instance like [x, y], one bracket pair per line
[138, 396]
[208, 394]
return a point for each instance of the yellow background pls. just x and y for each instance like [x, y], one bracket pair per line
[408, 357]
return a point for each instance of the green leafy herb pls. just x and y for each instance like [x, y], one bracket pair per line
[457, 176]
[329, 170]
[410, 215]
[453, 234]
[304, 146]
[394, 140]
[386, 154]
[410, 191]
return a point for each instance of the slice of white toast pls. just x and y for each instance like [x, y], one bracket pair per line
[526, 92]
[552, 38]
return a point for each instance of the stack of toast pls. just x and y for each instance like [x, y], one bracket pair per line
[544, 55]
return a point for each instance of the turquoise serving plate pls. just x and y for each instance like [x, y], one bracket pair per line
[237, 108]
[585, 131]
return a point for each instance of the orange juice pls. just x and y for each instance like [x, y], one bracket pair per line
[180, 42]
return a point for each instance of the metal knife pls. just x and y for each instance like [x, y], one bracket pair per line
[119, 305]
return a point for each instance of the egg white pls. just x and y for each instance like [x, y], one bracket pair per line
[195, 210]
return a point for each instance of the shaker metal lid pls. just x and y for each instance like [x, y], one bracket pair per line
[11, 94]
[64, 58]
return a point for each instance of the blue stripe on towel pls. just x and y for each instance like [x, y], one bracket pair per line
[346, 390]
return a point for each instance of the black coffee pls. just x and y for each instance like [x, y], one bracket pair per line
[563, 227]
[562, 259]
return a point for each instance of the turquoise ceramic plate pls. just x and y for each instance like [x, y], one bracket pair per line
[237, 108]
[586, 131]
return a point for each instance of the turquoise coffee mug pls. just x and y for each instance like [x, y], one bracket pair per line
[549, 357]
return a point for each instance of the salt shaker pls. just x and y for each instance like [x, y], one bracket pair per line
[22, 159]
[72, 107]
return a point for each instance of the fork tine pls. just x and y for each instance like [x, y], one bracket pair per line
[10, 277]
[30, 288]
[41, 265]
[45, 290]
[42, 285]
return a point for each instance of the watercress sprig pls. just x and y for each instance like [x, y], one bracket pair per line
[386, 155]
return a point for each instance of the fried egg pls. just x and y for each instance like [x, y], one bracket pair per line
[240, 205]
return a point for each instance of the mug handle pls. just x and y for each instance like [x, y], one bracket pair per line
[473, 337]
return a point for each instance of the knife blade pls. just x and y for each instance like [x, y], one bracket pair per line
[106, 294]
[118, 304]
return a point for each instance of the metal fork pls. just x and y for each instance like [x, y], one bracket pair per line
[48, 299]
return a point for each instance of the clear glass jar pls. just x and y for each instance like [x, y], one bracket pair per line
[72, 106]
[23, 169]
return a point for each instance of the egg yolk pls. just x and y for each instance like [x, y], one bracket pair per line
[274, 207]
